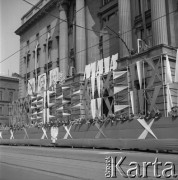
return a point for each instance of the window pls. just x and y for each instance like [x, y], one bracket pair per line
[37, 37]
[0, 95]
[9, 111]
[11, 96]
[0, 110]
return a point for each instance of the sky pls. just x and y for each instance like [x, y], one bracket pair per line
[11, 12]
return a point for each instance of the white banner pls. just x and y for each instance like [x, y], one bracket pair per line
[54, 75]
[42, 83]
[31, 86]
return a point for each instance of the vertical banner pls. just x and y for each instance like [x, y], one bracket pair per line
[42, 83]
[168, 78]
[132, 101]
[31, 86]
[140, 72]
[54, 74]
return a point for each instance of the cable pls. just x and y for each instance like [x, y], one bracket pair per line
[90, 29]
[63, 20]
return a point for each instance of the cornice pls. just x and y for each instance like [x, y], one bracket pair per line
[38, 15]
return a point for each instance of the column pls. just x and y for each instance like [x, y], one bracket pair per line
[159, 26]
[80, 36]
[63, 37]
[125, 26]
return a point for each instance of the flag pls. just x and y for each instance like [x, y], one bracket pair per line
[65, 87]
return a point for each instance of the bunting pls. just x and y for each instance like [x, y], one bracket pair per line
[93, 69]
[77, 105]
[98, 81]
[60, 109]
[87, 72]
[76, 92]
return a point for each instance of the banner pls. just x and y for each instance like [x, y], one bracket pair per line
[140, 72]
[113, 65]
[42, 83]
[31, 86]
[54, 74]
[106, 64]
[168, 78]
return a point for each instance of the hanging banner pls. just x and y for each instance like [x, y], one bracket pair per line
[98, 81]
[113, 65]
[42, 83]
[93, 86]
[99, 69]
[176, 69]
[53, 74]
[168, 78]
[106, 65]
[87, 72]
[169, 100]
[93, 108]
[99, 100]
[140, 72]
[31, 86]
[132, 101]
[93, 69]
[118, 74]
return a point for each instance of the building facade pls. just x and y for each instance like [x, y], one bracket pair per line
[8, 93]
[72, 34]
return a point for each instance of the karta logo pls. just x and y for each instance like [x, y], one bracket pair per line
[135, 169]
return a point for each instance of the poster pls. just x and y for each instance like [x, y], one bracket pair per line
[54, 73]
[31, 86]
[42, 83]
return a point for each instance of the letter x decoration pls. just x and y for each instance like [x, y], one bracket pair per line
[147, 128]
[44, 133]
[67, 132]
[100, 132]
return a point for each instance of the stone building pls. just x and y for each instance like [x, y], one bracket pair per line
[8, 92]
[71, 34]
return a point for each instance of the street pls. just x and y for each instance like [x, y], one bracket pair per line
[31, 163]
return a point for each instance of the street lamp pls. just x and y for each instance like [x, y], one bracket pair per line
[21, 77]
